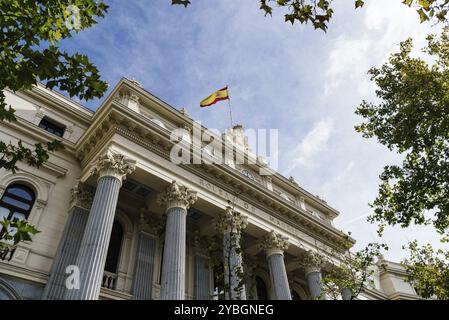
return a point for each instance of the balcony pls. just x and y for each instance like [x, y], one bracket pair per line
[109, 280]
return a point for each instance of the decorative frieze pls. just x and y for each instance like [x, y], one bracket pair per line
[177, 195]
[82, 195]
[114, 165]
[231, 221]
[274, 243]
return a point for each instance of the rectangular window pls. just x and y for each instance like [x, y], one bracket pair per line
[52, 127]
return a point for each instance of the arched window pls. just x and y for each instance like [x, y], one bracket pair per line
[295, 295]
[7, 292]
[262, 292]
[16, 202]
[115, 245]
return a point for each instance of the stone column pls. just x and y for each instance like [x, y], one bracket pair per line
[274, 245]
[312, 264]
[231, 223]
[69, 245]
[346, 294]
[177, 200]
[111, 170]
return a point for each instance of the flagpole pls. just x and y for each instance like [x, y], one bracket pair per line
[230, 109]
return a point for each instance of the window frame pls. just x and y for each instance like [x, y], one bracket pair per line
[56, 128]
[118, 250]
[14, 209]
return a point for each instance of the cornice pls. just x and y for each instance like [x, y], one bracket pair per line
[59, 102]
[393, 268]
[42, 136]
[57, 170]
[375, 293]
[156, 142]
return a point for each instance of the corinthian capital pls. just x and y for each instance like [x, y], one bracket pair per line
[231, 221]
[81, 195]
[177, 196]
[114, 165]
[313, 262]
[274, 243]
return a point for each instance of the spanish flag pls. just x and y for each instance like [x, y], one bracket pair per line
[220, 95]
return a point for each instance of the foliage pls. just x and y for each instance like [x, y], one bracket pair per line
[220, 262]
[319, 12]
[30, 32]
[11, 154]
[29, 53]
[13, 232]
[428, 270]
[413, 119]
[430, 9]
[354, 273]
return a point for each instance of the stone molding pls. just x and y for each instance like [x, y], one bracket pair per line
[231, 221]
[274, 243]
[81, 195]
[113, 165]
[177, 196]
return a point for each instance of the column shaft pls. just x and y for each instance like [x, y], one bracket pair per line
[173, 265]
[94, 246]
[279, 278]
[346, 294]
[66, 253]
[314, 282]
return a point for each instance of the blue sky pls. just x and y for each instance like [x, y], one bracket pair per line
[304, 82]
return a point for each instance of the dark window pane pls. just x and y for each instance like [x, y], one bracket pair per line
[295, 295]
[4, 213]
[262, 293]
[18, 215]
[21, 192]
[115, 245]
[16, 203]
[18, 199]
[52, 127]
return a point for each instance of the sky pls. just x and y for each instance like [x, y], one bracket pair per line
[302, 81]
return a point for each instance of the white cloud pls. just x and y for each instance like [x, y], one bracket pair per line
[386, 24]
[311, 146]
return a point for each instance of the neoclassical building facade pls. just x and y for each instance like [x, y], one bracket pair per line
[118, 219]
